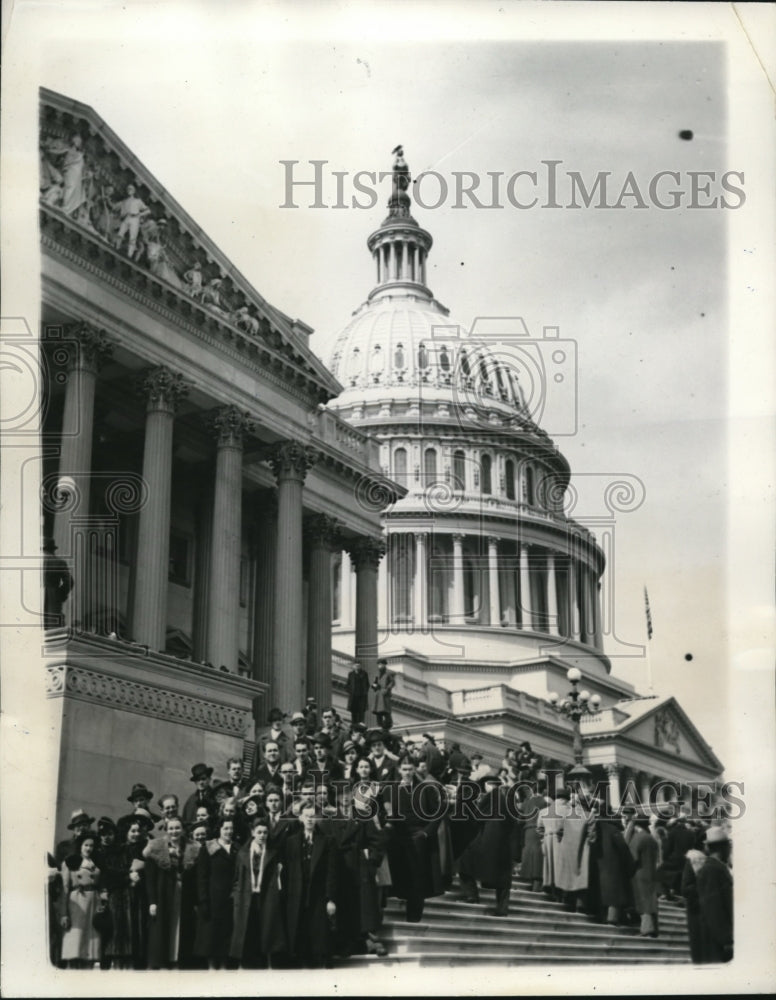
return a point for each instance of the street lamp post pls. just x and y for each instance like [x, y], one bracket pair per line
[576, 704]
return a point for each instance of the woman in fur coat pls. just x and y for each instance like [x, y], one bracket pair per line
[170, 869]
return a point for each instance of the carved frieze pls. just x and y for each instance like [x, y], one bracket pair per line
[144, 699]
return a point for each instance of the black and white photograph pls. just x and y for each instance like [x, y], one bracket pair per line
[386, 517]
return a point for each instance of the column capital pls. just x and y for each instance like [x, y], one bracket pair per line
[94, 347]
[493, 540]
[323, 530]
[366, 551]
[458, 537]
[162, 388]
[421, 536]
[612, 770]
[229, 425]
[290, 459]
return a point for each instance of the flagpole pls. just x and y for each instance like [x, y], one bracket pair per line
[648, 613]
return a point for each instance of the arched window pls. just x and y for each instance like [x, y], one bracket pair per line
[430, 466]
[444, 360]
[465, 366]
[398, 356]
[509, 472]
[422, 357]
[459, 470]
[486, 478]
[530, 493]
[400, 465]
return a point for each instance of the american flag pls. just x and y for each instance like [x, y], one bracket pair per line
[648, 613]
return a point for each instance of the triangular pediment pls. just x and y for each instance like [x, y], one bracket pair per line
[85, 187]
[664, 725]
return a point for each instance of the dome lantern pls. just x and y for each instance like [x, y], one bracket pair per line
[400, 246]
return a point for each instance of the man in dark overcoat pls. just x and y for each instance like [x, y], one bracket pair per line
[715, 899]
[311, 890]
[383, 685]
[357, 686]
[415, 812]
[488, 859]
[258, 924]
[612, 866]
[362, 845]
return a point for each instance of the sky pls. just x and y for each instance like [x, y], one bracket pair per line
[641, 292]
[664, 306]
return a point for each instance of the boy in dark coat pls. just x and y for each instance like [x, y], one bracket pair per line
[258, 934]
[311, 890]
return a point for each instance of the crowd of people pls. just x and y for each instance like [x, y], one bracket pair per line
[288, 860]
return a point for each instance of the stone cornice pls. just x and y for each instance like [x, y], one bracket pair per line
[672, 761]
[110, 162]
[94, 256]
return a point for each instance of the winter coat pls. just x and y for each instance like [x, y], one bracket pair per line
[715, 898]
[272, 929]
[613, 865]
[644, 849]
[488, 858]
[215, 875]
[312, 895]
[171, 886]
[694, 861]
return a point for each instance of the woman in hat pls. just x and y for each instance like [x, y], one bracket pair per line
[81, 898]
[170, 869]
[107, 856]
[127, 901]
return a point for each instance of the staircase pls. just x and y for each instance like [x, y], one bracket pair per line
[537, 931]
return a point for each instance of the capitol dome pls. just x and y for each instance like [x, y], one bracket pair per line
[480, 553]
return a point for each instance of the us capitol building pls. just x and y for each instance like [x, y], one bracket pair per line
[241, 520]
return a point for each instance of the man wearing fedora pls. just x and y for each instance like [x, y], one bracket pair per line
[140, 797]
[80, 823]
[275, 732]
[357, 686]
[383, 685]
[488, 858]
[644, 849]
[57, 584]
[202, 796]
[715, 898]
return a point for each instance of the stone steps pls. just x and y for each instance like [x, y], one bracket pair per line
[537, 930]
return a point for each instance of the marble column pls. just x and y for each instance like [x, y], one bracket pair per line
[526, 612]
[321, 534]
[163, 390]
[346, 595]
[366, 553]
[204, 527]
[229, 425]
[457, 611]
[89, 348]
[574, 620]
[553, 624]
[265, 511]
[383, 590]
[598, 638]
[290, 462]
[493, 588]
[613, 777]
[420, 583]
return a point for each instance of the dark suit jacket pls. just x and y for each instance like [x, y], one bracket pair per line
[320, 888]
[264, 774]
[189, 810]
[715, 899]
